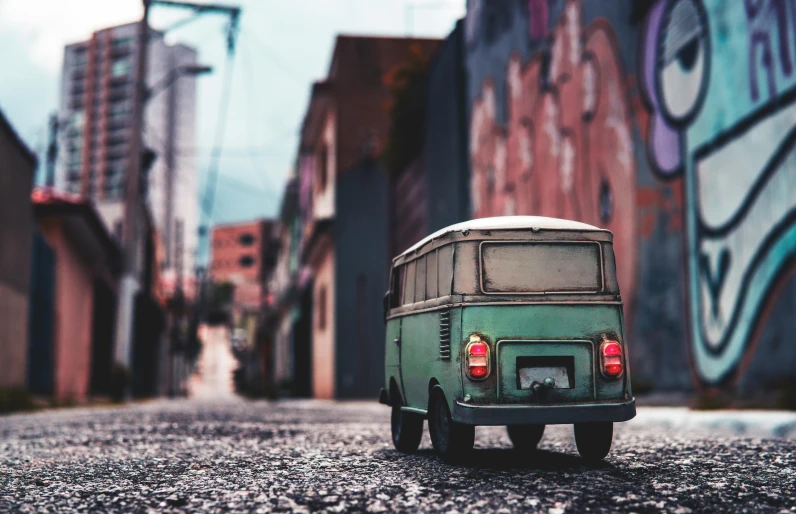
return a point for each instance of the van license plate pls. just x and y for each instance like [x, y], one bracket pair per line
[559, 374]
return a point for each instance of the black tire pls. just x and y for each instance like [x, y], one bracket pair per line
[594, 440]
[453, 441]
[407, 428]
[525, 437]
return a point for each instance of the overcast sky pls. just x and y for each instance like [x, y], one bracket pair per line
[283, 46]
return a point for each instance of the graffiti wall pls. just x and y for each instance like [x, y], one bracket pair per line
[671, 123]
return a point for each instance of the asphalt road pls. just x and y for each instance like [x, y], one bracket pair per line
[299, 456]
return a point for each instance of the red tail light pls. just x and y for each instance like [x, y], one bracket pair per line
[611, 358]
[478, 371]
[479, 349]
[477, 358]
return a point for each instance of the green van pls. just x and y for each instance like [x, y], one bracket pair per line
[512, 321]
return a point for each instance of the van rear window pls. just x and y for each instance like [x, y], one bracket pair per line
[517, 268]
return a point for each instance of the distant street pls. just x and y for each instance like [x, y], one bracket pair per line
[293, 456]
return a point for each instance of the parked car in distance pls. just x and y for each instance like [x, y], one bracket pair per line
[512, 321]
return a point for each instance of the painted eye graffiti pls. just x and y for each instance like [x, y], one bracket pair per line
[683, 60]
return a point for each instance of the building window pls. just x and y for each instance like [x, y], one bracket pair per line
[117, 230]
[246, 239]
[123, 41]
[77, 119]
[247, 261]
[322, 308]
[121, 67]
[323, 167]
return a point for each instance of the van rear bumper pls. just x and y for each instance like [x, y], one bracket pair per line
[543, 414]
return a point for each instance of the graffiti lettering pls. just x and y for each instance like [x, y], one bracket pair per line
[763, 17]
[566, 150]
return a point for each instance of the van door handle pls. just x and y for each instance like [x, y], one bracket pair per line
[397, 341]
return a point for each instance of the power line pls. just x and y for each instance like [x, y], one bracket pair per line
[215, 156]
[276, 59]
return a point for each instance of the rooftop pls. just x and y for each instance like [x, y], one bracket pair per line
[507, 223]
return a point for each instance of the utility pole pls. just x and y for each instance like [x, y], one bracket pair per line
[132, 202]
[129, 282]
[52, 151]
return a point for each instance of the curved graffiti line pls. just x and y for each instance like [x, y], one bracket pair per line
[737, 156]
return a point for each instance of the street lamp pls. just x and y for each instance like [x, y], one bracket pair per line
[128, 282]
[189, 70]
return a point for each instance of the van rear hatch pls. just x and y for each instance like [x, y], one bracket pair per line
[535, 341]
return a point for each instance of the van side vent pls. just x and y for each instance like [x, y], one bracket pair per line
[445, 335]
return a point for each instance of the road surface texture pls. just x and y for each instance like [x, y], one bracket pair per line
[235, 455]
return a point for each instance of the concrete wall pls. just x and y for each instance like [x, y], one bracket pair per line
[74, 290]
[679, 140]
[446, 159]
[13, 337]
[16, 231]
[323, 323]
[361, 262]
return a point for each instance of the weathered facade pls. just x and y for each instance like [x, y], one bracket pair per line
[17, 167]
[432, 190]
[75, 361]
[331, 270]
[669, 122]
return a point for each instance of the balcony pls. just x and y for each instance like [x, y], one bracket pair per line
[117, 137]
[116, 151]
[117, 121]
[78, 88]
[121, 50]
[118, 93]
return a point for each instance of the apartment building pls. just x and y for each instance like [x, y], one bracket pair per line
[96, 113]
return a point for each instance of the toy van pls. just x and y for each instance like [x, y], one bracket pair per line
[512, 321]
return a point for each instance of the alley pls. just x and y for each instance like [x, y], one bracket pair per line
[307, 455]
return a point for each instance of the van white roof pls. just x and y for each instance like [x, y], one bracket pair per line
[506, 223]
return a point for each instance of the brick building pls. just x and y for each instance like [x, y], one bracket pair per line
[239, 255]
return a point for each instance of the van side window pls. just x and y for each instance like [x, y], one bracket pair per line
[445, 267]
[431, 275]
[397, 290]
[409, 284]
[420, 283]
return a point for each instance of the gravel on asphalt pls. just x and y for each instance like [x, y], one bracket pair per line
[256, 456]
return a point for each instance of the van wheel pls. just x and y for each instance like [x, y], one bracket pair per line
[453, 441]
[407, 429]
[525, 437]
[594, 440]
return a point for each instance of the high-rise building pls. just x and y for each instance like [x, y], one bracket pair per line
[96, 113]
